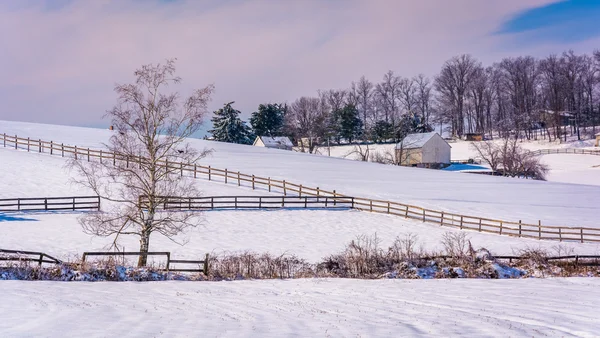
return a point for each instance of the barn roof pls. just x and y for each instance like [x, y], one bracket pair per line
[414, 141]
[276, 141]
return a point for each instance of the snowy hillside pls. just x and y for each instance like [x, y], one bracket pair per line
[305, 307]
[495, 197]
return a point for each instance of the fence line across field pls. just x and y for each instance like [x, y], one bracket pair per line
[27, 256]
[249, 202]
[442, 218]
[72, 203]
[168, 266]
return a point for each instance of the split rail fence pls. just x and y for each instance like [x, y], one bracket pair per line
[442, 218]
[168, 265]
[565, 151]
[27, 256]
[250, 202]
[50, 203]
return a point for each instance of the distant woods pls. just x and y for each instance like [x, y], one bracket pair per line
[516, 97]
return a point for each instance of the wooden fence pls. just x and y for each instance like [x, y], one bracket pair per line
[565, 151]
[50, 203]
[169, 262]
[27, 256]
[442, 218]
[250, 202]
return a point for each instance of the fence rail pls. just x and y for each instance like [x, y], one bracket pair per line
[442, 218]
[250, 202]
[27, 256]
[168, 267]
[50, 203]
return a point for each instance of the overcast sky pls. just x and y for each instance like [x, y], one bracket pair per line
[60, 59]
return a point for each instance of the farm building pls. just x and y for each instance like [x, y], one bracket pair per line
[277, 142]
[598, 140]
[423, 150]
[474, 137]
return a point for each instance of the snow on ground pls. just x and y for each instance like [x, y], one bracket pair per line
[309, 234]
[306, 308]
[495, 197]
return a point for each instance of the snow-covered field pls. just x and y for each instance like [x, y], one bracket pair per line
[303, 308]
[313, 307]
[479, 195]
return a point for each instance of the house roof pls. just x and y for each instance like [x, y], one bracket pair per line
[414, 141]
[275, 142]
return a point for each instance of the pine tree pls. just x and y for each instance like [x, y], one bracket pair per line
[268, 120]
[228, 127]
[350, 124]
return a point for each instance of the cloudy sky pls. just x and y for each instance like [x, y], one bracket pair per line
[60, 59]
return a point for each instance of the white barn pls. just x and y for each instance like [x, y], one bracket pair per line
[277, 142]
[424, 149]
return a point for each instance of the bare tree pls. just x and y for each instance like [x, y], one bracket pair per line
[151, 130]
[423, 97]
[453, 84]
[306, 121]
[489, 152]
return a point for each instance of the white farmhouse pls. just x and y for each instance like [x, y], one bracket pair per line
[423, 150]
[277, 142]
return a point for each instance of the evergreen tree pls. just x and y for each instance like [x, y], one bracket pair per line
[350, 124]
[228, 127]
[268, 120]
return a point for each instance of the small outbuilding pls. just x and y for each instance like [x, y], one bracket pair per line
[598, 140]
[423, 150]
[474, 137]
[276, 142]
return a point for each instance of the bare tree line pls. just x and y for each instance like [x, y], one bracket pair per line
[516, 97]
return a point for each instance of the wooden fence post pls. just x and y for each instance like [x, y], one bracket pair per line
[500, 227]
[225, 175]
[73, 203]
[519, 228]
[88, 154]
[335, 200]
[114, 158]
[195, 168]
[62, 149]
[406, 213]
[442, 219]
[75, 152]
[16, 141]
[100, 156]
[239, 181]
[480, 225]
[300, 191]
[45, 204]
[461, 222]
[305, 202]
[559, 235]
[269, 184]
[388, 209]
[252, 182]
[581, 230]
[28, 144]
[51, 147]
[423, 215]
[206, 265]
[539, 229]
[371, 205]
[284, 191]
[40, 150]
[209, 173]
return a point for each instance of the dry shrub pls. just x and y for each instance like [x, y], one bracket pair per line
[258, 266]
[456, 244]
